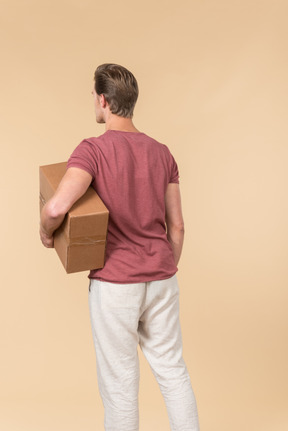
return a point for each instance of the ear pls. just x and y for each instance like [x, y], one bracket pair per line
[103, 101]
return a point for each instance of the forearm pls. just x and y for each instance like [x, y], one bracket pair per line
[72, 186]
[176, 239]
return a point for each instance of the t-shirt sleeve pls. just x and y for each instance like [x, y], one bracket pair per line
[84, 157]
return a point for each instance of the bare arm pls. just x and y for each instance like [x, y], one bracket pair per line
[174, 220]
[72, 186]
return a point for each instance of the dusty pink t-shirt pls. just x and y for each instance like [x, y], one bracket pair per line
[131, 172]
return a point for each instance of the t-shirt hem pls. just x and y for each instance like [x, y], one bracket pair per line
[80, 166]
[140, 280]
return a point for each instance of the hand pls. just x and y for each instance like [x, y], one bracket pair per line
[47, 241]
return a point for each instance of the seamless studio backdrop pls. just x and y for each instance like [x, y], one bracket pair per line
[213, 87]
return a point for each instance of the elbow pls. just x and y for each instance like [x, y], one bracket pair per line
[181, 230]
[53, 211]
[179, 226]
[177, 229]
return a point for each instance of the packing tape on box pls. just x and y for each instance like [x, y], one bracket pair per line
[91, 240]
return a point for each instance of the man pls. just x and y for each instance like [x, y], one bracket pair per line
[134, 298]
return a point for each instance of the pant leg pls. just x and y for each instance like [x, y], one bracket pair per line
[161, 343]
[114, 313]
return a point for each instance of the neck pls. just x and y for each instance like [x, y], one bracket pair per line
[114, 122]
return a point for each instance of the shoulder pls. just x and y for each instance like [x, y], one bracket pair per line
[94, 140]
[163, 148]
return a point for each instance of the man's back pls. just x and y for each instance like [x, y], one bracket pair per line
[131, 172]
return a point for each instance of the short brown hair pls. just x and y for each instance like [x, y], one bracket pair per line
[119, 87]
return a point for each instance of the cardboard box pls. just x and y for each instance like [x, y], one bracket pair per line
[81, 239]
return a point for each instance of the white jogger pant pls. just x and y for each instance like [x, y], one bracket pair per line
[146, 313]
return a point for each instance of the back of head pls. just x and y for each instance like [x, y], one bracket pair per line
[119, 87]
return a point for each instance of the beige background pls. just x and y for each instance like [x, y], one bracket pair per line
[213, 87]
